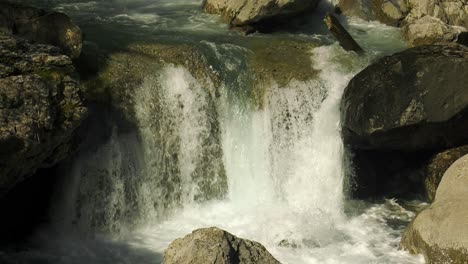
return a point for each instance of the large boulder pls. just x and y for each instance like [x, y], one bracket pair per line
[216, 246]
[241, 13]
[410, 101]
[437, 166]
[440, 232]
[37, 25]
[40, 108]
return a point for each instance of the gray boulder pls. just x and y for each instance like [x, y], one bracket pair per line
[40, 108]
[37, 25]
[413, 100]
[216, 246]
[241, 13]
[440, 232]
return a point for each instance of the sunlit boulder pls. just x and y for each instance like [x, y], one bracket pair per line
[213, 245]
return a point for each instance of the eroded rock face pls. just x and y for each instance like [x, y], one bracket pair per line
[241, 13]
[213, 245]
[40, 108]
[438, 165]
[412, 100]
[37, 25]
[440, 232]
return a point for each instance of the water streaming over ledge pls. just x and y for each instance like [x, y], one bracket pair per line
[274, 174]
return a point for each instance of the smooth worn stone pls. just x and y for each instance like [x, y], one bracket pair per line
[437, 166]
[440, 232]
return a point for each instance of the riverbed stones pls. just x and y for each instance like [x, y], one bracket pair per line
[247, 13]
[440, 232]
[40, 26]
[213, 245]
[410, 101]
[40, 108]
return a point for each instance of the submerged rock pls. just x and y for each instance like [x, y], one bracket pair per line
[37, 25]
[245, 13]
[40, 108]
[413, 100]
[440, 232]
[213, 245]
[437, 166]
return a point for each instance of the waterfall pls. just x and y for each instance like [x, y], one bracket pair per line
[172, 159]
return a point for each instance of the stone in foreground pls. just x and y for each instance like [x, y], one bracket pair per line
[440, 232]
[413, 100]
[216, 246]
[437, 166]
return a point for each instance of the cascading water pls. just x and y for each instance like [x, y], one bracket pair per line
[271, 171]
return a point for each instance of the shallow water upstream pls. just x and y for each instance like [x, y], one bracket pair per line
[281, 156]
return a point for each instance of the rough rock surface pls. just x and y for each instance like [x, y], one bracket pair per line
[437, 166]
[412, 100]
[40, 108]
[433, 21]
[452, 12]
[239, 13]
[440, 232]
[37, 25]
[216, 246]
[429, 30]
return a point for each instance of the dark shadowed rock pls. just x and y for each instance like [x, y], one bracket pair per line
[40, 108]
[248, 13]
[216, 246]
[437, 166]
[40, 26]
[440, 232]
[413, 100]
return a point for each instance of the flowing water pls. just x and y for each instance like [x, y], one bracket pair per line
[271, 171]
